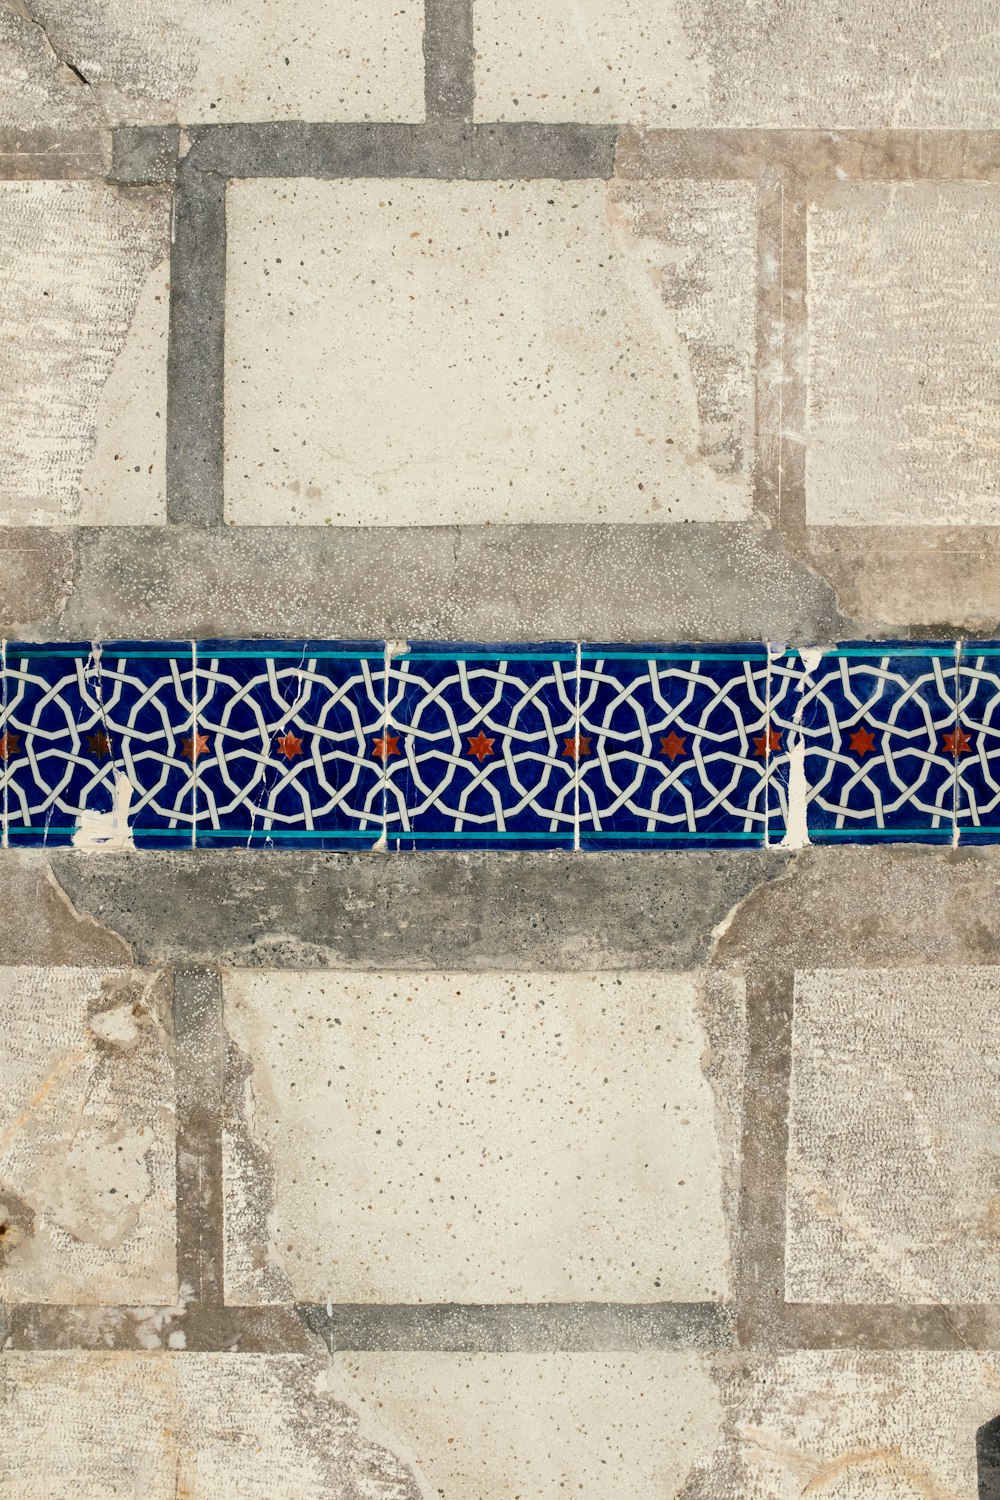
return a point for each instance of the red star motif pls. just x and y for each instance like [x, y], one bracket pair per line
[98, 744]
[956, 743]
[10, 744]
[480, 746]
[289, 745]
[766, 743]
[384, 746]
[576, 749]
[194, 744]
[673, 745]
[862, 742]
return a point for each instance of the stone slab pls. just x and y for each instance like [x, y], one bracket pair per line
[144, 61]
[201, 1426]
[86, 1137]
[893, 1177]
[471, 1138]
[492, 1426]
[904, 317]
[405, 353]
[83, 326]
[807, 64]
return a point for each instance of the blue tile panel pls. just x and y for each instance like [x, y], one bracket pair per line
[482, 747]
[289, 743]
[874, 725]
[673, 746]
[559, 745]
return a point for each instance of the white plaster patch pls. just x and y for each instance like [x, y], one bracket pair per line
[107, 832]
[478, 1138]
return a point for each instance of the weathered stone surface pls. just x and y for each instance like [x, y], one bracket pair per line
[492, 1426]
[478, 912]
[715, 63]
[86, 1137]
[202, 1426]
[425, 352]
[231, 59]
[904, 317]
[83, 326]
[495, 1138]
[893, 1182]
[882, 1426]
[36, 87]
[711, 582]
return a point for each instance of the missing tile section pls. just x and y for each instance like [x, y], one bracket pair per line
[83, 293]
[482, 1139]
[107, 831]
[505, 352]
[893, 1124]
[202, 1426]
[86, 1137]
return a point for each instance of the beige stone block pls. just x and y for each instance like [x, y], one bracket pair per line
[893, 1171]
[848, 1426]
[496, 1426]
[203, 61]
[429, 352]
[783, 63]
[472, 1138]
[86, 1137]
[199, 1426]
[83, 353]
[903, 422]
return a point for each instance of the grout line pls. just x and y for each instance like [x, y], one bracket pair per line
[520, 1327]
[200, 1050]
[759, 1261]
[196, 350]
[449, 60]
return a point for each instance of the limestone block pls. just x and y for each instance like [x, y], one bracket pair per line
[429, 352]
[472, 1138]
[83, 334]
[86, 1137]
[903, 424]
[893, 1173]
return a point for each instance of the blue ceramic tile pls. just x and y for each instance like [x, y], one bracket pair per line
[978, 799]
[481, 747]
[289, 740]
[674, 745]
[877, 720]
[78, 723]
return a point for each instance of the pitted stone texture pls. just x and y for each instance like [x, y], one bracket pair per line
[83, 329]
[209, 60]
[201, 1426]
[716, 63]
[86, 1137]
[893, 1175]
[904, 323]
[36, 88]
[404, 352]
[886, 1426]
[473, 1138]
[494, 1426]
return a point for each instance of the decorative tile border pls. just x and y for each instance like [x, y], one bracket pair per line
[560, 745]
